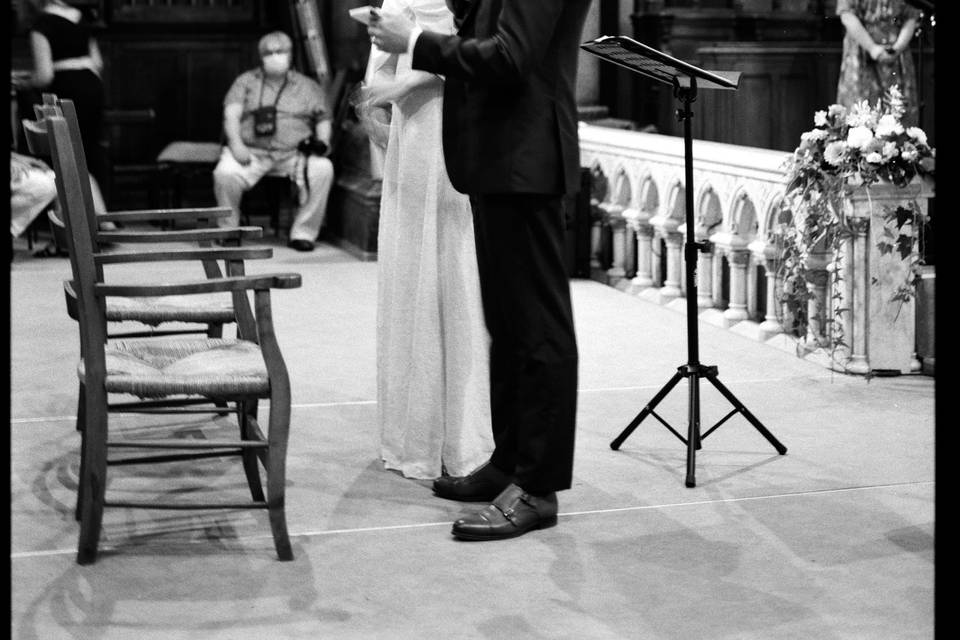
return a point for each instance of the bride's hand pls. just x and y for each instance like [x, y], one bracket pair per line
[380, 94]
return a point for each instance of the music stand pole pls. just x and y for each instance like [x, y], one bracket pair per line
[683, 77]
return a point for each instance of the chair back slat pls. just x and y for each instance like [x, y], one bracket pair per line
[69, 111]
[76, 207]
[35, 134]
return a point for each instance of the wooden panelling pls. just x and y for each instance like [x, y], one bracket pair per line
[782, 86]
[788, 52]
[183, 80]
[183, 11]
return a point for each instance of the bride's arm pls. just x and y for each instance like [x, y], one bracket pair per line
[382, 93]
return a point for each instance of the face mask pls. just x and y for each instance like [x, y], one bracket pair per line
[276, 63]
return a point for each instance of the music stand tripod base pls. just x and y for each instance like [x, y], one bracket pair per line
[684, 78]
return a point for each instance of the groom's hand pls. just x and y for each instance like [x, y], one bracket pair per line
[390, 32]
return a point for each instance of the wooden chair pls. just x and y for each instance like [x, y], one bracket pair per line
[208, 314]
[236, 370]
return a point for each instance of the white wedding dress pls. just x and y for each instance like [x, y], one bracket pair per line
[433, 395]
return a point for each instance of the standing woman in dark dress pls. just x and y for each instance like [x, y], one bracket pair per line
[67, 62]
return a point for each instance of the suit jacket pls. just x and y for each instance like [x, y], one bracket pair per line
[509, 113]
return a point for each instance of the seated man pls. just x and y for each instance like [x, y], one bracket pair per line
[33, 188]
[267, 113]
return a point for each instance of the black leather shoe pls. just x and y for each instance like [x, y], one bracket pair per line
[482, 485]
[511, 514]
[301, 245]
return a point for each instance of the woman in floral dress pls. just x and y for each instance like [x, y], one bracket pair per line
[876, 53]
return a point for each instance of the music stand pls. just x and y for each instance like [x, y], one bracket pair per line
[684, 78]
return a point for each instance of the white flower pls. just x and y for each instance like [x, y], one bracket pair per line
[895, 98]
[861, 115]
[820, 118]
[874, 158]
[917, 134]
[834, 152]
[889, 126]
[890, 150]
[814, 134]
[859, 137]
[835, 110]
[909, 155]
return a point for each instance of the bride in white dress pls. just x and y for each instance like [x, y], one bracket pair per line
[433, 380]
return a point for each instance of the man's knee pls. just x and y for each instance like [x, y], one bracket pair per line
[229, 176]
[320, 170]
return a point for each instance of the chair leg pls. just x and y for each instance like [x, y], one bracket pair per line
[93, 476]
[81, 417]
[277, 469]
[215, 330]
[250, 465]
[81, 401]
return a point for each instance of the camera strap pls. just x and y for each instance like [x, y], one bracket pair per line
[265, 118]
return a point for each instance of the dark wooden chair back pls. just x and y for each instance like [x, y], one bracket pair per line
[76, 206]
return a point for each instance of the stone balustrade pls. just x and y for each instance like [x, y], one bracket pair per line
[639, 208]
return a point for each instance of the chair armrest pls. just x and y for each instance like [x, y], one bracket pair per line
[145, 215]
[236, 283]
[186, 235]
[246, 253]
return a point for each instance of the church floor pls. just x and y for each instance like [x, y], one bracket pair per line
[833, 540]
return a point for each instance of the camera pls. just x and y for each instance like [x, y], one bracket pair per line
[312, 147]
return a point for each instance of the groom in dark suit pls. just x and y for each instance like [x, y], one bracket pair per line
[510, 142]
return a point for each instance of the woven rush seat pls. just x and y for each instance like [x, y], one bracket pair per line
[208, 367]
[155, 311]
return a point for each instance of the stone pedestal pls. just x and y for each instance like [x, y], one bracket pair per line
[881, 332]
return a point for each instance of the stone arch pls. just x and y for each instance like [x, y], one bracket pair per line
[775, 215]
[622, 192]
[709, 212]
[649, 198]
[743, 221]
[676, 203]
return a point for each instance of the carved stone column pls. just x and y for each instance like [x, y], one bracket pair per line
[771, 324]
[855, 250]
[716, 275]
[630, 216]
[671, 282]
[644, 277]
[818, 306]
[667, 228]
[596, 242]
[764, 252]
[737, 310]
[618, 229]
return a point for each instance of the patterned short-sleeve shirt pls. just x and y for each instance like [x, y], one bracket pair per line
[301, 104]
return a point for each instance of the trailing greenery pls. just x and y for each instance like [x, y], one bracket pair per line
[846, 149]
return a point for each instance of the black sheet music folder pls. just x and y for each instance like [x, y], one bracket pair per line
[647, 61]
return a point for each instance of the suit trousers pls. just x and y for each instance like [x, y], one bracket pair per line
[533, 348]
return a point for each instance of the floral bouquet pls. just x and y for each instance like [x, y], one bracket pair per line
[848, 148]
[375, 121]
[862, 145]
